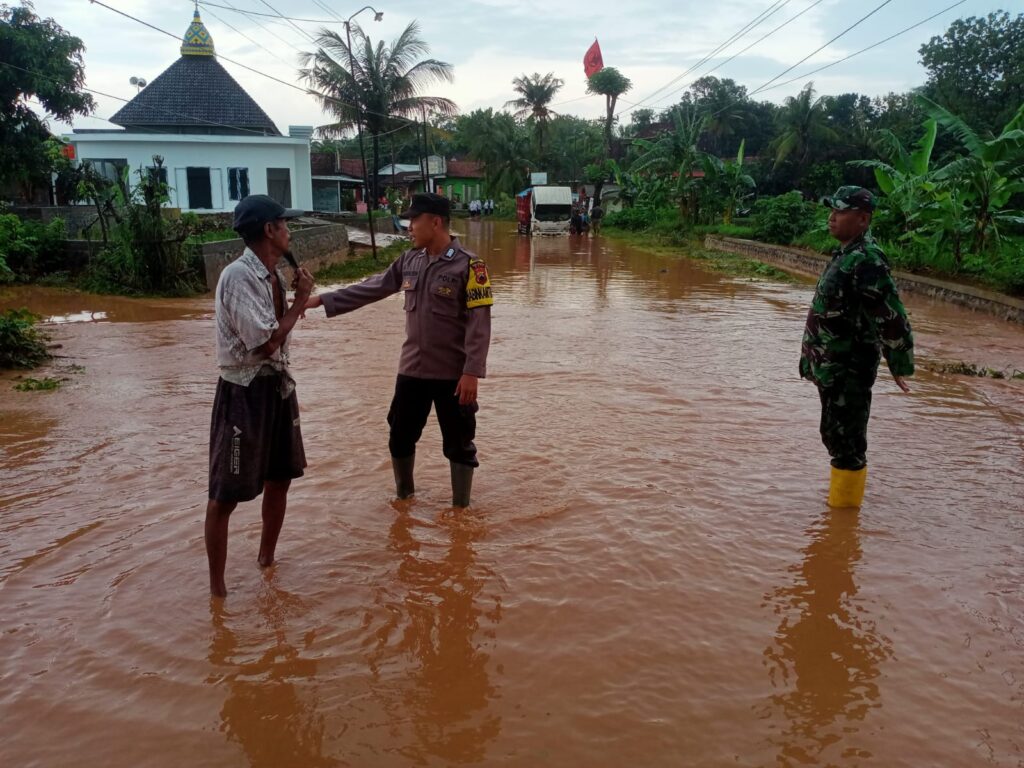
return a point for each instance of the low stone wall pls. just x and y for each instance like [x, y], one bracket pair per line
[811, 263]
[75, 216]
[314, 247]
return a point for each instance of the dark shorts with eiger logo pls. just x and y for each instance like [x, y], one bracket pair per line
[254, 437]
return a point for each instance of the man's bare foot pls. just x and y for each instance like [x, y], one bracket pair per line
[218, 589]
[265, 561]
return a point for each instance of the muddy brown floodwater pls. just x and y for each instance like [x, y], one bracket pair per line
[649, 576]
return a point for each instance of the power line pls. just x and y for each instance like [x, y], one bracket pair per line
[250, 16]
[274, 15]
[759, 40]
[865, 50]
[240, 32]
[857, 23]
[297, 28]
[874, 45]
[122, 99]
[293, 86]
[757, 20]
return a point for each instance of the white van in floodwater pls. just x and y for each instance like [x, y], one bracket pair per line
[551, 210]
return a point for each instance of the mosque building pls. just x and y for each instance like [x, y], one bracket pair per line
[217, 143]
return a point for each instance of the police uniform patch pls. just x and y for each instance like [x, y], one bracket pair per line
[478, 285]
[449, 254]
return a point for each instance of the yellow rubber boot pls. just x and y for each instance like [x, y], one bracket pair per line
[847, 487]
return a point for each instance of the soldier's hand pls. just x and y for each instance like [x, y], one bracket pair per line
[902, 384]
[465, 390]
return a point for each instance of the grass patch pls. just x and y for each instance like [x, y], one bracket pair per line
[739, 266]
[211, 237]
[719, 261]
[47, 384]
[362, 265]
[961, 368]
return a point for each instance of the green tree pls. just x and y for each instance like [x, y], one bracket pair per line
[611, 84]
[383, 83]
[727, 183]
[725, 104]
[803, 130]
[976, 69]
[903, 178]
[535, 94]
[502, 145]
[38, 60]
[675, 154]
[987, 176]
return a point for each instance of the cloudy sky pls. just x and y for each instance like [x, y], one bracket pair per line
[491, 41]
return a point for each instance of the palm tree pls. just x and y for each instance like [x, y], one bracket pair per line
[802, 126]
[383, 83]
[611, 84]
[502, 146]
[535, 94]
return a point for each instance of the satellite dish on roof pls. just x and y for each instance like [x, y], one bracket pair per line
[138, 82]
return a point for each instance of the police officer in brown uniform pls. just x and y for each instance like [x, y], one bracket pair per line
[448, 332]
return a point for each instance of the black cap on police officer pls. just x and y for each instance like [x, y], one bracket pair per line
[428, 202]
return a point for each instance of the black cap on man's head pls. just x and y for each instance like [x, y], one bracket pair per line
[850, 197]
[254, 211]
[428, 202]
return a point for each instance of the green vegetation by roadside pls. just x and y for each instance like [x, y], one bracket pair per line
[677, 247]
[362, 265]
[22, 345]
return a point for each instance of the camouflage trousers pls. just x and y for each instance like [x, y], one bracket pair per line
[845, 408]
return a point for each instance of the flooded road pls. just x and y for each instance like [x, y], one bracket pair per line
[649, 576]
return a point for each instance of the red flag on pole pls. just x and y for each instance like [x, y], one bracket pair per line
[592, 61]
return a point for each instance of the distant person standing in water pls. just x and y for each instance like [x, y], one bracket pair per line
[856, 317]
[255, 441]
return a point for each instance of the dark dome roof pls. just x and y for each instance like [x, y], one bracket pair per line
[195, 95]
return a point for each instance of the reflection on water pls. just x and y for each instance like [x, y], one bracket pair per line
[77, 317]
[827, 652]
[270, 709]
[440, 624]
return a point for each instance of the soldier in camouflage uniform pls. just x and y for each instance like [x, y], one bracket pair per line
[856, 317]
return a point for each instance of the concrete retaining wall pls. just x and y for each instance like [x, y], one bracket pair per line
[811, 263]
[314, 247]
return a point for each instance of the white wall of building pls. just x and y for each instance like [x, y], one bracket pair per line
[218, 153]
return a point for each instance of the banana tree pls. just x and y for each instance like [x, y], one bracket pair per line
[904, 179]
[675, 154]
[727, 182]
[990, 172]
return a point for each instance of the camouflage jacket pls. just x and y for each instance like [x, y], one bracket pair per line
[855, 315]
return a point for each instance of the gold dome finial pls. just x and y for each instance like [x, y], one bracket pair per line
[197, 40]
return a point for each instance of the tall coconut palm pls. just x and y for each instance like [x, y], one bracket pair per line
[382, 84]
[502, 145]
[611, 84]
[803, 125]
[535, 94]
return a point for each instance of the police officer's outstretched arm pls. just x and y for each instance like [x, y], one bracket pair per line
[881, 302]
[352, 297]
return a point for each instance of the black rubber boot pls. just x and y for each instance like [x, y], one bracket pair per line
[404, 485]
[462, 484]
